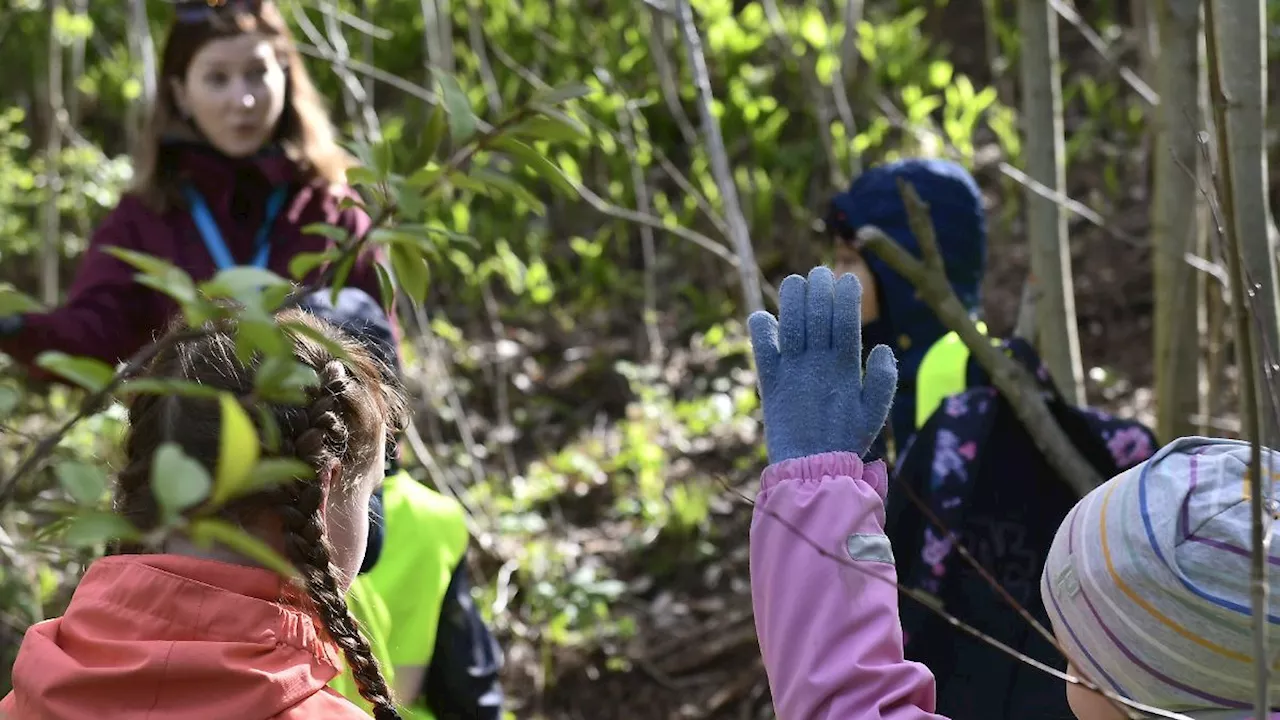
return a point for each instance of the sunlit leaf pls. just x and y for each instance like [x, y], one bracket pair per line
[88, 373]
[85, 483]
[332, 232]
[551, 128]
[168, 386]
[362, 176]
[329, 344]
[91, 529]
[177, 481]
[283, 379]
[159, 274]
[13, 301]
[534, 160]
[411, 271]
[9, 399]
[562, 94]
[386, 287]
[238, 450]
[206, 532]
[434, 132]
[511, 187]
[248, 286]
[462, 119]
[271, 472]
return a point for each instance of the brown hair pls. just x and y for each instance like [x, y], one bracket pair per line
[340, 422]
[305, 131]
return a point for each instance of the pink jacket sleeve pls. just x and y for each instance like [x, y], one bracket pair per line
[828, 625]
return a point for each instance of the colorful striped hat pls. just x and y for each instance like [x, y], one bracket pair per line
[1147, 582]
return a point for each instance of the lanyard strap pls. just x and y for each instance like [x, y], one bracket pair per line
[212, 237]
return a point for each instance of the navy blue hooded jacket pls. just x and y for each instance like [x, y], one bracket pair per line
[907, 324]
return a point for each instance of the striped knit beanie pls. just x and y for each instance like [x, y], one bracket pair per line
[1147, 582]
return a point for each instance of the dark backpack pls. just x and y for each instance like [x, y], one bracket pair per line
[976, 468]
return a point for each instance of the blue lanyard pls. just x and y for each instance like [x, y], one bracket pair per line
[213, 237]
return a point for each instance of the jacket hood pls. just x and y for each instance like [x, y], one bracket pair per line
[955, 205]
[165, 637]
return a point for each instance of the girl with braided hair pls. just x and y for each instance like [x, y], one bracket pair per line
[176, 630]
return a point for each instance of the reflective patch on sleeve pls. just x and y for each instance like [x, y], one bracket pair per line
[869, 548]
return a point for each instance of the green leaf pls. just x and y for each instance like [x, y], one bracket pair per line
[302, 264]
[511, 187]
[434, 132]
[362, 176]
[14, 302]
[247, 286]
[383, 159]
[343, 272]
[259, 334]
[551, 128]
[168, 386]
[462, 119]
[534, 160]
[386, 287]
[90, 374]
[562, 94]
[205, 532]
[95, 528]
[335, 348]
[411, 271]
[238, 450]
[178, 482]
[332, 232]
[284, 379]
[85, 483]
[280, 471]
[425, 177]
[159, 275]
[9, 399]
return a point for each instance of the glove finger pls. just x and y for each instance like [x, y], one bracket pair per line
[791, 315]
[763, 328]
[879, 384]
[821, 294]
[847, 321]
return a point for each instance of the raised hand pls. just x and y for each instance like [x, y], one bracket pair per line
[815, 396]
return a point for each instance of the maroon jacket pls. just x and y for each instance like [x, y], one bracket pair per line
[109, 316]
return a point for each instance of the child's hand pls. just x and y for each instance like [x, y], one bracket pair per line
[815, 397]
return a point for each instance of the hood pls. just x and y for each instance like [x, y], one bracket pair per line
[955, 205]
[165, 637]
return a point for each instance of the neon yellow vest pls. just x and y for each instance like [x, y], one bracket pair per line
[425, 537]
[371, 612]
[943, 372]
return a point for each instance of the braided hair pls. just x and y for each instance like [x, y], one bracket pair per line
[342, 422]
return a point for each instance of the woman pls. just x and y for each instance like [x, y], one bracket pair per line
[238, 157]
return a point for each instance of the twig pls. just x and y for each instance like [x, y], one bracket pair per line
[1012, 380]
[667, 77]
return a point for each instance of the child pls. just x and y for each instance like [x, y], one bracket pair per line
[893, 313]
[1147, 581]
[173, 630]
[445, 659]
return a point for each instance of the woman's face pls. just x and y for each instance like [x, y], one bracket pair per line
[234, 93]
[346, 517]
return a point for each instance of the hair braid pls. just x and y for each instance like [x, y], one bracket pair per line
[318, 435]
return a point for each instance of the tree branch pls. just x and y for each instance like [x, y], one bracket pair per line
[1015, 384]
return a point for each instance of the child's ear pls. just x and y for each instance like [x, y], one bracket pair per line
[329, 477]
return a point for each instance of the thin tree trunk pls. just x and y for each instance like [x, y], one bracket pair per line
[56, 121]
[1176, 222]
[1046, 223]
[143, 50]
[739, 234]
[1241, 55]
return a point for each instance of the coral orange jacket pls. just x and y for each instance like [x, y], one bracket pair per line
[162, 637]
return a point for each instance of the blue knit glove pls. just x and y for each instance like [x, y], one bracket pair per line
[815, 396]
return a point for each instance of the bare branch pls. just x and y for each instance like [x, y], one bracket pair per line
[1015, 384]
